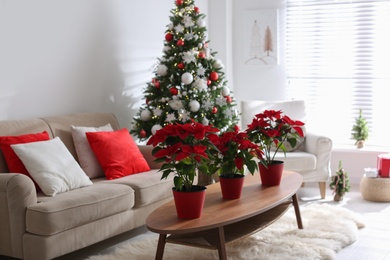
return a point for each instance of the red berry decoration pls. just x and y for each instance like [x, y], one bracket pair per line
[201, 55]
[180, 65]
[214, 76]
[142, 133]
[180, 42]
[196, 9]
[179, 2]
[147, 101]
[228, 99]
[168, 37]
[157, 84]
[173, 91]
[208, 82]
[214, 110]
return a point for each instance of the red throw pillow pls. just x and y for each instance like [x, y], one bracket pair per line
[117, 153]
[15, 165]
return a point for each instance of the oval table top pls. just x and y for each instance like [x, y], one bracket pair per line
[255, 199]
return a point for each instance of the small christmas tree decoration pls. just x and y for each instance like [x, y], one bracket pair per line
[360, 130]
[340, 183]
[189, 82]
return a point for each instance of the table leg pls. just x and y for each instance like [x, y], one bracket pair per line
[297, 211]
[221, 244]
[161, 246]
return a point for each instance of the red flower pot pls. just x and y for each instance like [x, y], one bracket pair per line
[272, 174]
[231, 187]
[189, 204]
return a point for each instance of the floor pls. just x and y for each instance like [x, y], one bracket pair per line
[373, 242]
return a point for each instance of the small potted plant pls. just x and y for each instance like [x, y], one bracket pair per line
[360, 131]
[340, 183]
[183, 149]
[235, 151]
[272, 130]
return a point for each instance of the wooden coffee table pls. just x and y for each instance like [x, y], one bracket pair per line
[224, 221]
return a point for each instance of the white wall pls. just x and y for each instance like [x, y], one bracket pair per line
[68, 56]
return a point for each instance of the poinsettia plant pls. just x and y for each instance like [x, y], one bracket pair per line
[271, 129]
[183, 149]
[235, 151]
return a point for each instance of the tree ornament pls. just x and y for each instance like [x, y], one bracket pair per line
[213, 76]
[201, 23]
[218, 64]
[168, 37]
[162, 70]
[196, 9]
[194, 106]
[142, 133]
[173, 91]
[157, 84]
[179, 2]
[201, 55]
[208, 82]
[155, 128]
[225, 91]
[228, 99]
[146, 115]
[180, 65]
[180, 42]
[214, 110]
[187, 78]
[146, 101]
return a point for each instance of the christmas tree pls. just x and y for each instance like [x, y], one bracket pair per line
[360, 130]
[189, 82]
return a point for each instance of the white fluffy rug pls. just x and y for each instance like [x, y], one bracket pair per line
[327, 229]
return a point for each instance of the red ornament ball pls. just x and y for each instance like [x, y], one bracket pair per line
[213, 76]
[201, 55]
[180, 42]
[157, 84]
[214, 110]
[168, 37]
[142, 133]
[228, 99]
[179, 2]
[173, 91]
[196, 9]
[180, 65]
[208, 82]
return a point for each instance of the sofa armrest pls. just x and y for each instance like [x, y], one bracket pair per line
[146, 151]
[17, 191]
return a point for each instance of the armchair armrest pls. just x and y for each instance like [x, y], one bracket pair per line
[317, 144]
[17, 191]
[146, 151]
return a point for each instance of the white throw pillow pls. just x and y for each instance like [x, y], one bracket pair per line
[52, 166]
[87, 158]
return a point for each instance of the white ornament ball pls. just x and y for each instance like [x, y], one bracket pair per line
[162, 70]
[155, 128]
[225, 91]
[201, 23]
[194, 106]
[146, 115]
[187, 78]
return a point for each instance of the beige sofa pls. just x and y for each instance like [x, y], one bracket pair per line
[35, 226]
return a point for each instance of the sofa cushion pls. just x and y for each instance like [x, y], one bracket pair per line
[148, 186]
[15, 165]
[52, 166]
[117, 153]
[75, 208]
[298, 161]
[85, 155]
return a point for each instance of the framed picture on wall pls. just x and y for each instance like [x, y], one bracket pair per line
[261, 37]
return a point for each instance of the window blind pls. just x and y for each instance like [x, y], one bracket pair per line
[338, 61]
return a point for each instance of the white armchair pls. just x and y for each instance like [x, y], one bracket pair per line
[312, 158]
